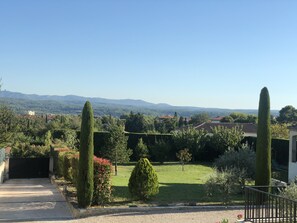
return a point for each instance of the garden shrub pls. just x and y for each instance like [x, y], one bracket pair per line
[143, 182]
[60, 164]
[290, 191]
[102, 181]
[223, 183]
[2, 155]
[243, 159]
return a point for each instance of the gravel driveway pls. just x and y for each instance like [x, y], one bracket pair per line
[171, 215]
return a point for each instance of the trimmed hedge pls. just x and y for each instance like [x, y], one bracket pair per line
[59, 160]
[74, 169]
[279, 153]
[67, 167]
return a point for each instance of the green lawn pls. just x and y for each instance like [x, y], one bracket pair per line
[176, 186]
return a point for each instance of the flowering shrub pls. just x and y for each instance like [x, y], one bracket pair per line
[239, 217]
[102, 181]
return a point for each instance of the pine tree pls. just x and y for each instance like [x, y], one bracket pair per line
[263, 148]
[141, 150]
[85, 184]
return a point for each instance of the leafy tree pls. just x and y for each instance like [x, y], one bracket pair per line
[85, 183]
[263, 146]
[226, 139]
[227, 119]
[138, 123]
[287, 114]
[243, 118]
[166, 125]
[141, 149]
[117, 151]
[184, 156]
[194, 140]
[199, 119]
[279, 131]
[143, 182]
[7, 124]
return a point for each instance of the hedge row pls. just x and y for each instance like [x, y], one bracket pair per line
[2, 155]
[280, 148]
[66, 165]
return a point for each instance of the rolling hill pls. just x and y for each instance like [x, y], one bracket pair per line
[72, 104]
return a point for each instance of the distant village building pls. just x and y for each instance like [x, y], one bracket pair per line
[249, 129]
[216, 119]
[31, 113]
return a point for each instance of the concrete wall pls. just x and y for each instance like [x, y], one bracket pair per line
[2, 172]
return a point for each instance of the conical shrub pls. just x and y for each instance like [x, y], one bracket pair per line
[85, 183]
[143, 182]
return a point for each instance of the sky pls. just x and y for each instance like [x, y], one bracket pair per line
[204, 53]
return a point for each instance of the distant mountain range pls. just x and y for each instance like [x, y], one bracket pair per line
[72, 104]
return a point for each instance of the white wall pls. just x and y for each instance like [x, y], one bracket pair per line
[2, 172]
[292, 165]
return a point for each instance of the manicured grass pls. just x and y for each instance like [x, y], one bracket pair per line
[176, 186]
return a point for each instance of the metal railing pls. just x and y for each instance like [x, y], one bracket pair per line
[263, 204]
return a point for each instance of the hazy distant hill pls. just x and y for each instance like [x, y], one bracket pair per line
[72, 104]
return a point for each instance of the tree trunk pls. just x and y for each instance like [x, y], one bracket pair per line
[116, 164]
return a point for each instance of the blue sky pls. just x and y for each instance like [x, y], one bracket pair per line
[202, 53]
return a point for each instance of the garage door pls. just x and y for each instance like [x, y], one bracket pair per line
[28, 168]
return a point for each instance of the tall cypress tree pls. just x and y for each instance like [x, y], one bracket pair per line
[263, 148]
[85, 184]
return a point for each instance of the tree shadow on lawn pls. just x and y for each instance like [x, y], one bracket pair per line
[173, 193]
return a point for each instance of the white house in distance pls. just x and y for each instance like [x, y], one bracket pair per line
[31, 113]
[292, 154]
